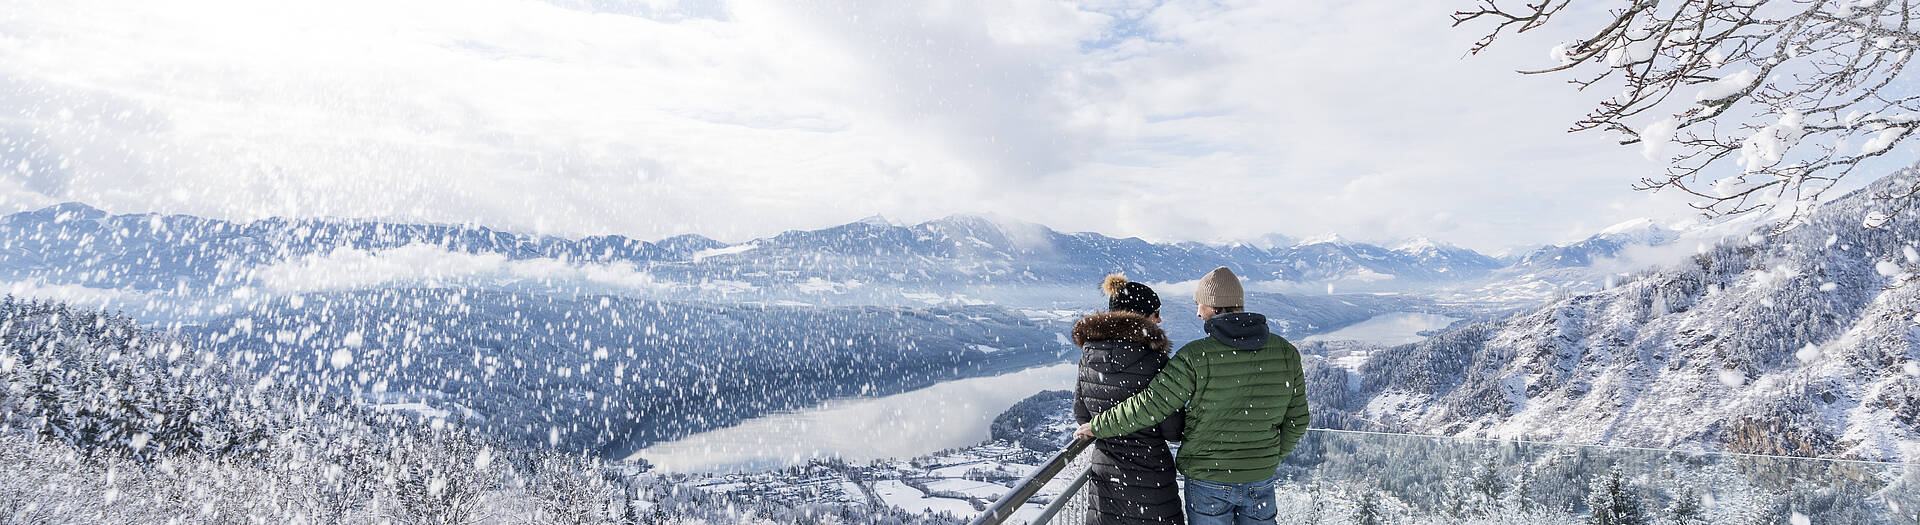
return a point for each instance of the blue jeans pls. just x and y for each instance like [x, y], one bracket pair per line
[1213, 503]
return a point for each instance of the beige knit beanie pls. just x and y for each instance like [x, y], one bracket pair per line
[1220, 288]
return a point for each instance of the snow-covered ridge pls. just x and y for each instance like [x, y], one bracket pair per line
[73, 242]
[715, 252]
[1630, 226]
[1796, 341]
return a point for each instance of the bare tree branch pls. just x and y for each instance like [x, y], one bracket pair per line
[1792, 95]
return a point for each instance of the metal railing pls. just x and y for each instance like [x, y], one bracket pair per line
[1333, 475]
[1073, 501]
[1009, 503]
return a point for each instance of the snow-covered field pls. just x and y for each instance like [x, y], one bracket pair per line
[898, 494]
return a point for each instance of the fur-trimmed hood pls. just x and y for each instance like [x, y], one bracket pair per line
[1120, 326]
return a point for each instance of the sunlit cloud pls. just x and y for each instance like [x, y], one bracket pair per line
[1170, 120]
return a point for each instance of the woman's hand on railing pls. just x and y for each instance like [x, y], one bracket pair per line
[1085, 432]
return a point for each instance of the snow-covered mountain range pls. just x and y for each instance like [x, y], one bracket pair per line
[1609, 243]
[958, 259]
[607, 343]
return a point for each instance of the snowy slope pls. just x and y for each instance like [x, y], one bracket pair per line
[1042, 422]
[1789, 345]
[102, 421]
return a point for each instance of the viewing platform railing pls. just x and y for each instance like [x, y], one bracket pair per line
[1363, 477]
[1011, 502]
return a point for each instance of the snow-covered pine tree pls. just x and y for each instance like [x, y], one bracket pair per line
[1488, 482]
[571, 489]
[1685, 508]
[1612, 501]
[1367, 510]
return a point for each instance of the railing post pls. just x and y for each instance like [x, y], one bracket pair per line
[1046, 515]
[1004, 508]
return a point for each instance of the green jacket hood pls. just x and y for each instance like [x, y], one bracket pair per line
[1239, 330]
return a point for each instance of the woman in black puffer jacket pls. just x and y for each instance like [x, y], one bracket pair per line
[1133, 475]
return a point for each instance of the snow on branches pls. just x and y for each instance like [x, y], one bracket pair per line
[1777, 100]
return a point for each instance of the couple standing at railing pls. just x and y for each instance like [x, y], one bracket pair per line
[1236, 399]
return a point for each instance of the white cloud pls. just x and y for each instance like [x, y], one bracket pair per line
[1178, 120]
[73, 294]
[429, 265]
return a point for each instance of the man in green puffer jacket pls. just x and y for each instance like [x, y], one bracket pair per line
[1246, 400]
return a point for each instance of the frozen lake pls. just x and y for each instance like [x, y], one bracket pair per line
[1388, 329]
[946, 415]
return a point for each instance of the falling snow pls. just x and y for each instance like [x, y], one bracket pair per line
[341, 359]
[1732, 378]
[1808, 354]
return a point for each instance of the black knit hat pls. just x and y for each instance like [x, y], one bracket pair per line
[1129, 296]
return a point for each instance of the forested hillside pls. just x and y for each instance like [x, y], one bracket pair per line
[611, 374]
[1800, 343]
[106, 422]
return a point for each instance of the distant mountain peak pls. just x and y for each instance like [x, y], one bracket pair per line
[1631, 226]
[67, 211]
[983, 220]
[966, 219]
[1422, 244]
[1269, 241]
[1331, 238]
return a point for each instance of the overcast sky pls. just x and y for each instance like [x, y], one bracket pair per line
[1166, 120]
